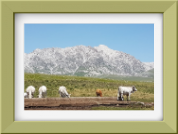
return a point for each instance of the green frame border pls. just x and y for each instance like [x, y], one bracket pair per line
[169, 10]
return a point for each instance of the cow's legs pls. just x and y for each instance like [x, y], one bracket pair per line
[30, 94]
[43, 94]
[118, 96]
[122, 98]
[27, 94]
[128, 97]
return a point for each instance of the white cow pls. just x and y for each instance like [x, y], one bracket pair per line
[63, 92]
[42, 92]
[25, 95]
[30, 91]
[123, 90]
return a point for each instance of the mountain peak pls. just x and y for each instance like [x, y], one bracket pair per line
[105, 49]
[102, 46]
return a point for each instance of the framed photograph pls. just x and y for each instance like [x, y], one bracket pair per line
[57, 65]
[88, 17]
[94, 75]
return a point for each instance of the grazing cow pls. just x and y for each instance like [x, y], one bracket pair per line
[30, 91]
[123, 90]
[25, 95]
[98, 93]
[42, 92]
[63, 92]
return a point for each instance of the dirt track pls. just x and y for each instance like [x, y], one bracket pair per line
[77, 103]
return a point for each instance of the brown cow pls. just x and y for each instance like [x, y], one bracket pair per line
[98, 93]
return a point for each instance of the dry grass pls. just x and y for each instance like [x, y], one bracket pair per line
[86, 87]
[136, 96]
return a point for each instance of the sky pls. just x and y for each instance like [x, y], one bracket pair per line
[134, 39]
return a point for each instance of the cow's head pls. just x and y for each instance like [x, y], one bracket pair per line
[134, 89]
[69, 95]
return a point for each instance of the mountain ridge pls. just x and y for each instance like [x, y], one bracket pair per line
[84, 61]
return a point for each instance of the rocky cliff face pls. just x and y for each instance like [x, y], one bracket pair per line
[83, 61]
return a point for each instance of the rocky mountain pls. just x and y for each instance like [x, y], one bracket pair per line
[83, 61]
[148, 65]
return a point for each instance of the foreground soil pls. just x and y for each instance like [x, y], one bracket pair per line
[85, 103]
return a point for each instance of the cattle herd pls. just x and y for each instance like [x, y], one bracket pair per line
[122, 90]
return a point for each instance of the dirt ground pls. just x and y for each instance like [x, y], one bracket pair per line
[70, 107]
[79, 103]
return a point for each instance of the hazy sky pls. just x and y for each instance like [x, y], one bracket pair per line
[134, 39]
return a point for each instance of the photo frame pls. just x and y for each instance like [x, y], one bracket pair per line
[7, 61]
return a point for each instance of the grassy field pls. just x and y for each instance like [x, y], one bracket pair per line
[129, 78]
[86, 86]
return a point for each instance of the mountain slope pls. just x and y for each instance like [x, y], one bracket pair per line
[83, 61]
[148, 65]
